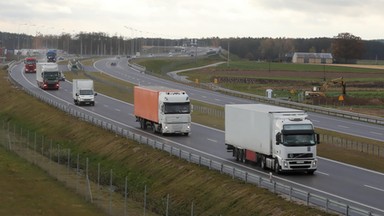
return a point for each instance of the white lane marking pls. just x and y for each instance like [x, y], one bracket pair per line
[118, 110]
[217, 99]
[105, 105]
[204, 96]
[376, 133]
[342, 126]
[375, 188]
[322, 173]
[212, 140]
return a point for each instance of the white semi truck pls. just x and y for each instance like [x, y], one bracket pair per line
[47, 75]
[165, 110]
[83, 92]
[278, 138]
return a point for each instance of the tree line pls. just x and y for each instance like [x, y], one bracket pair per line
[345, 47]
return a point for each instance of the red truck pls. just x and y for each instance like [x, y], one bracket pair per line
[30, 65]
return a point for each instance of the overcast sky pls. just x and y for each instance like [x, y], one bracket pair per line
[196, 18]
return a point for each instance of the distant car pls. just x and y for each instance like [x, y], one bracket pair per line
[62, 77]
[113, 64]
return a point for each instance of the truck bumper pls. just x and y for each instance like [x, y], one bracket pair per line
[177, 128]
[299, 165]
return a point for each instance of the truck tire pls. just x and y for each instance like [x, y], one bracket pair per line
[242, 155]
[141, 123]
[262, 163]
[277, 167]
[310, 172]
[236, 153]
[154, 128]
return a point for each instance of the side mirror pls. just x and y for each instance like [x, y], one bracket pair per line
[278, 138]
[317, 138]
[77, 94]
[95, 93]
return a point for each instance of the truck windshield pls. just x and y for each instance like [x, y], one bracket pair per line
[175, 108]
[86, 92]
[51, 75]
[30, 62]
[299, 139]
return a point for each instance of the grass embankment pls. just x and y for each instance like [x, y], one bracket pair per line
[211, 192]
[27, 190]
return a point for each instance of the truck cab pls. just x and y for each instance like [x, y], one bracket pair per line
[30, 65]
[295, 145]
[47, 76]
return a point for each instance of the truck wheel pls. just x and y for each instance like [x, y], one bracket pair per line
[242, 155]
[262, 163]
[310, 172]
[236, 150]
[141, 124]
[277, 167]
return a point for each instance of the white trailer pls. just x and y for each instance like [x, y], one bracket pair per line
[278, 138]
[83, 92]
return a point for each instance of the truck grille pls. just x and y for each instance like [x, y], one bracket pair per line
[299, 164]
[300, 155]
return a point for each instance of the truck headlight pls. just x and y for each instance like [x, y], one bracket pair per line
[314, 163]
[285, 164]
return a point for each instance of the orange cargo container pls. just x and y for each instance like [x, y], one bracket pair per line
[146, 103]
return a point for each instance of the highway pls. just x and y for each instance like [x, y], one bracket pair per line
[338, 181]
[342, 125]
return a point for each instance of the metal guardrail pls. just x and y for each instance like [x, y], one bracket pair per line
[140, 68]
[292, 193]
[306, 107]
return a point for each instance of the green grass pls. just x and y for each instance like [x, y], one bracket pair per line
[27, 190]
[161, 66]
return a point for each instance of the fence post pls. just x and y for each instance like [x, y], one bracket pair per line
[110, 193]
[42, 145]
[192, 209]
[125, 195]
[98, 175]
[145, 198]
[167, 206]
[58, 154]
